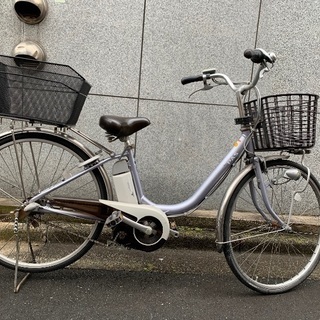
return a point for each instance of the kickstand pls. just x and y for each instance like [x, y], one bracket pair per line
[17, 285]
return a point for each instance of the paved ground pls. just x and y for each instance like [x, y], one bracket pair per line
[166, 284]
[171, 283]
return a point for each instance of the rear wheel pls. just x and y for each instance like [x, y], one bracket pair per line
[261, 254]
[47, 241]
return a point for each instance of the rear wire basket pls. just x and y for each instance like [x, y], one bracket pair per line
[41, 92]
[288, 122]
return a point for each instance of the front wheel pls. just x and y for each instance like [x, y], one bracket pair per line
[261, 253]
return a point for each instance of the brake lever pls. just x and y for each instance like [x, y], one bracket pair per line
[266, 68]
[206, 85]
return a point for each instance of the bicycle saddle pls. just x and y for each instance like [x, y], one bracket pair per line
[122, 126]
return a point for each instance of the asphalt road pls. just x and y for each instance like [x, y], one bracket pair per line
[167, 284]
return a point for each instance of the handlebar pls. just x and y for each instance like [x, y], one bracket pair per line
[241, 89]
[256, 55]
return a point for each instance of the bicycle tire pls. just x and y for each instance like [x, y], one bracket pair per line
[263, 257]
[48, 241]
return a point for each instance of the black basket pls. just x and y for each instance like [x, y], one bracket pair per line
[288, 122]
[40, 91]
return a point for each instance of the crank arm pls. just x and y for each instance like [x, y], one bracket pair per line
[145, 229]
[117, 216]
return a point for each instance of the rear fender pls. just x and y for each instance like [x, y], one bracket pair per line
[70, 139]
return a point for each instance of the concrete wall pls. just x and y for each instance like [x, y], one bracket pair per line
[135, 52]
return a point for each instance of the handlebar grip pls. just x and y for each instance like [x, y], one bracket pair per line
[191, 79]
[259, 55]
[255, 55]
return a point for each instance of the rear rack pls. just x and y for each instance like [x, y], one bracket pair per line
[41, 92]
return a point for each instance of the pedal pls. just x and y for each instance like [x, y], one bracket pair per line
[174, 233]
[115, 218]
[173, 229]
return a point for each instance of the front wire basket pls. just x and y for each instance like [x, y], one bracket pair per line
[41, 92]
[287, 122]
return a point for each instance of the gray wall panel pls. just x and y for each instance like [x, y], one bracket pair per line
[185, 37]
[103, 39]
[291, 30]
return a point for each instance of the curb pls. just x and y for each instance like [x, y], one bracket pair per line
[196, 231]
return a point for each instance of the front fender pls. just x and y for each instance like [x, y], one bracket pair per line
[224, 205]
[226, 199]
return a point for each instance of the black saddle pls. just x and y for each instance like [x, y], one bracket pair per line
[122, 126]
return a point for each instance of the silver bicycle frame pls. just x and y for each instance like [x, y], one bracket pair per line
[213, 181]
[209, 185]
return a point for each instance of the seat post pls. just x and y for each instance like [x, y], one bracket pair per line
[128, 146]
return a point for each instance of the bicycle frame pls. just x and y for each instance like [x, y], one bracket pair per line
[92, 209]
[243, 144]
